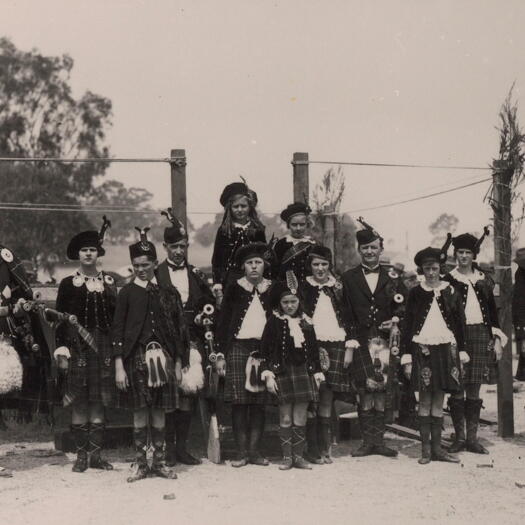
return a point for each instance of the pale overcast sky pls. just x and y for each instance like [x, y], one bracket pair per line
[243, 84]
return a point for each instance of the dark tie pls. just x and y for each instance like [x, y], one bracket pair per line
[370, 270]
[174, 267]
[152, 287]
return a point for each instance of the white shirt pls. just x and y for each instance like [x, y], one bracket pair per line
[434, 331]
[254, 321]
[325, 321]
[181, 281]
[142, 283]
[371, 279]
[473, 313]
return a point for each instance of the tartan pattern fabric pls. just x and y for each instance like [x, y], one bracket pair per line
[91, 376]
[481, 368]
[362, 367]
[139, 394]
[235, 380]
[337, 377]
[296, 386]
[439, 370]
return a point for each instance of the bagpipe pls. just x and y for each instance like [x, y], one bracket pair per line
[206, 319]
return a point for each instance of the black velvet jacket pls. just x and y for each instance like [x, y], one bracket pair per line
[309, 294]
[278, 348]
[92, 309]
[418, 306]
[131, 312]
[199, 295]
[366, 309]
[298, 264]
[225, 247]
[234, 306]
[518, 304]
[484, 293]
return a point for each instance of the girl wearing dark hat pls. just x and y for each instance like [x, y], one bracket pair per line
[90, 295]
[322, 299]
[150, 345]
[240, 325]
[432, 344]
[240, 226]
[482, 334]
[292, 368]
[291, 252]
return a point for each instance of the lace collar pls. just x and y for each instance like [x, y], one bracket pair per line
[437, 291]
[284, 317]
[241, 226]
[293, 240]
[331, 282]
[94, 283]
[249, 287]
[473, 279]
[143, 284]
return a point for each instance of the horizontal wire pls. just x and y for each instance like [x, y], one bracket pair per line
[96, 159]
[420, 197]
[392, 165]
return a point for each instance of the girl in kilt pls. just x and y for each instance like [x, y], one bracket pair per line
[291, 252]
[321, 297]
[292, 369]
[90, 295]
[432, 345]
[240, 226]
[484, 340]
[240, 325]
[150, 342]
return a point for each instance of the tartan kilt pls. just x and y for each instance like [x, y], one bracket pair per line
[296, 385]
[337, 377]
[362, 367]
[91, 376]
[440, 370]
[235, 380]
[139, 394]
[481, 368]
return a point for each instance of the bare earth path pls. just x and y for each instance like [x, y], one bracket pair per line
[368, 490]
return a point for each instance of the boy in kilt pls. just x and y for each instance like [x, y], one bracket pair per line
[90, 295]
[482, 336]
[432, 346]
[150, 345]
[240, 325]
[291, 252]
[292, 369]
[372, 296]
[322, 299]
[195, 293]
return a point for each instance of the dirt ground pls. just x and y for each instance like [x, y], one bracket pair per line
[482, 489]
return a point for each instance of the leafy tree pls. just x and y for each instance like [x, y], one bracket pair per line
[39, 117]
[444, 224]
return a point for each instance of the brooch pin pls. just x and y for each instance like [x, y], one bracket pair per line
[6, 255]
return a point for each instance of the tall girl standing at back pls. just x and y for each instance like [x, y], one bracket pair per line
[240, 226]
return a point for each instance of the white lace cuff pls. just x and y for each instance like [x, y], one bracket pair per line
[406, 360]
[352, 344]
[267, 374]
[464, 357]
[62, 351]
[497, 332]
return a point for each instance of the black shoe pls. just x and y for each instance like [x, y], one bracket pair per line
[476, 447]
[257, 459]
[311, 459]
[140, 472]
[383, 450]
[81, 464]
[366, 449]
[441, 455]
[161, 470]
[185, 458]
[301, 463]
[457, 446]
[99, 463]
[238, 463]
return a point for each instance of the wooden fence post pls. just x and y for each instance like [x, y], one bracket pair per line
[178, 184]
[301, 187]
[501, 205]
